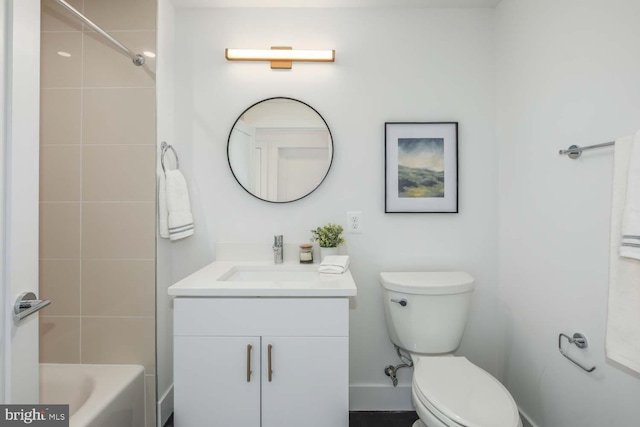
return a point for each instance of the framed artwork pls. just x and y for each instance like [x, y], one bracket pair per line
[421, 167]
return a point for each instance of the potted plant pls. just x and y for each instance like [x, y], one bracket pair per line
[329, 237]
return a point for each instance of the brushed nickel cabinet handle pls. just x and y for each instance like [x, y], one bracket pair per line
[269, 357]
[249, 347]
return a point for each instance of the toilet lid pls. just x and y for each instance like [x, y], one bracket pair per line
[464, 392]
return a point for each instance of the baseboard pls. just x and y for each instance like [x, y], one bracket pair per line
[361, 398]
[165, 406]
[526, 419]
[367, 397]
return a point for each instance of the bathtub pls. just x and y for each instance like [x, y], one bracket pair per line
[97, 395]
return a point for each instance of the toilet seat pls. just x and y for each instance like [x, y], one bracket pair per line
[461, 394]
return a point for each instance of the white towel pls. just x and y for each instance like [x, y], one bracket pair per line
[630, 245]
[334, 264]
[623, 322]
[163, 213]
[180, 220]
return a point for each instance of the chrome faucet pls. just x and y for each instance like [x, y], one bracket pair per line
[277, 249]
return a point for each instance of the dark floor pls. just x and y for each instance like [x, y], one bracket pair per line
[369, 419]
[382, 419]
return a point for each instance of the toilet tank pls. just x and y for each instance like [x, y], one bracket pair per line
[426, 312]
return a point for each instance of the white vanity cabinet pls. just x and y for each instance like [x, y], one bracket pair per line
[261, 362]
[209, 388]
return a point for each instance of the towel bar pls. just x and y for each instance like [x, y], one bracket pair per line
[580, 341]
[575, 151]
[164, 147]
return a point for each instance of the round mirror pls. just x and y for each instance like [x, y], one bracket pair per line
[280, 149]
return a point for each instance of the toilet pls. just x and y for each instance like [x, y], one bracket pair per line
[426, 313]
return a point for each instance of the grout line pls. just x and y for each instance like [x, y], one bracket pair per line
[122, 31]
[99, 145]
[123, 316]
[115, 144]
[96, 259]
[98, 202]
[80, 202]
[81, 130]
[139, 202]
[95, 87]
[77, 316]
[91, 31]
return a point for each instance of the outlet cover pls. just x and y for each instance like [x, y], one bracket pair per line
[354, 222]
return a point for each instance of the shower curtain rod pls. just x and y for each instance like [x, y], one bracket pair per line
[135, 57]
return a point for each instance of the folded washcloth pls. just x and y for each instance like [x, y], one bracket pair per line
[163, 213]
[335, 264]
[180, 220]
[630, 244]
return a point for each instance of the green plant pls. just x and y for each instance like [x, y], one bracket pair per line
[328, 236]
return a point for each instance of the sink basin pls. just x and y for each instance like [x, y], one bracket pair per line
[262, 274]
[263, 279]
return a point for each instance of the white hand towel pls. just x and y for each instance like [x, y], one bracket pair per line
[180, 220]
[630, 245]
[334, 264]
[623, 317]
[163, 213]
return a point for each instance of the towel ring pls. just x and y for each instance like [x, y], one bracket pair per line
[581, 342]
[164, 147]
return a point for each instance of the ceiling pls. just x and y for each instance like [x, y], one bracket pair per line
[339, 3]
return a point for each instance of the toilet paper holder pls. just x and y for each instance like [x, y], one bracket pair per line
[580, 340]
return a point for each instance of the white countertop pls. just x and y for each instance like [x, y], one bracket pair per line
[206, 282]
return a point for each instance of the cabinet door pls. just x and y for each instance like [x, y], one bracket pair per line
[210, 381]
[309, 382]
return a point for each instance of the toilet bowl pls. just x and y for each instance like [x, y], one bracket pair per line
[453, 392]
[426, 313]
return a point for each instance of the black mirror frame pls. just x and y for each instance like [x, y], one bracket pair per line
[290, 99]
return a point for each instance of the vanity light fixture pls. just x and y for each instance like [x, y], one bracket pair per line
[281, 58]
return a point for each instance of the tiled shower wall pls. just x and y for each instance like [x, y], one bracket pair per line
[97, 188]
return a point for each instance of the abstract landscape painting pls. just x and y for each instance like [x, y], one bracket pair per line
[421, 167]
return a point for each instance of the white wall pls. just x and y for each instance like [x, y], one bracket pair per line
[392, 65]
[567, 73]
[4, 291]
[165, 132]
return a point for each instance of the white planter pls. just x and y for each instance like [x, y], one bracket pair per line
[327, 251]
